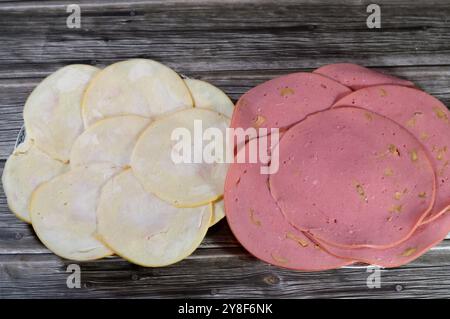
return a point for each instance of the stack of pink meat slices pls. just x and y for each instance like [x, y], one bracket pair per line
[360, 173]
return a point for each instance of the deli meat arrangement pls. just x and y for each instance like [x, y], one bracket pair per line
[347, 165]
[360, 173]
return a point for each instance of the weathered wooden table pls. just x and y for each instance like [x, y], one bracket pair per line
[235, 45]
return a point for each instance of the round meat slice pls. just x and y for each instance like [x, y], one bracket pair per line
[425, 237]
[145, 230]
[353, 178]
[110, 140]
[136, 86]
[286, 100]
[169, 157]
[356, 77]
[63, 212]
[207, 96]
[261, 228]
[52, 112]
[217, 211]
[422, 115]
[26, 168]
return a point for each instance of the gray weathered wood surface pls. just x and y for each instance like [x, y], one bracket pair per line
[235, 45]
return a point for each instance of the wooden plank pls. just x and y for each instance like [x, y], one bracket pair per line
[216, 273]
[224, 36]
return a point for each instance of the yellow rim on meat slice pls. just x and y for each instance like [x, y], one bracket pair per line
[145, 230]
[63, 212]
[52, 112]
[26, 168]
[137, 86]
[217, 211]
[166, 164]
[110, 140]
[208, 96]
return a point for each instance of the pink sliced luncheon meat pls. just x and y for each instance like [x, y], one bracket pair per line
[422, 115]
[261, 228]
[425, 237]
[353, 178]
[286, 100]
[356, 77]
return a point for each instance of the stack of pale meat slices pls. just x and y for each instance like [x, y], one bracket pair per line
[94, 175]
[359, 175]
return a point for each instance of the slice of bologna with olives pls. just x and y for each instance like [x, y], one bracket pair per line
[208, 96]
[173, 160]
[286, 100]
[63, 212]
[424, 237]
[260, 226]
[353, 178]
[145, 230]
[52, 112]
[26, 168]
[110, 140]
[137, 86]
[422, 115]
[356, 77]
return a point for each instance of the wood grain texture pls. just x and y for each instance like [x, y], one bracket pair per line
[234, 45]
[215, 273]
[228, 35]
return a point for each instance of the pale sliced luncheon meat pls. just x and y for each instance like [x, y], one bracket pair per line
[137, 86]
[169, 157]
[63, 212]
[52, 112]
[207, 96]
[26, 168]
[260, 226]
[110, 140]
[421, 114]
[356, 77]
[286, 100]
[217, 211]
[145, 230]
[425, 237]
[353, 178]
